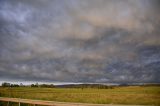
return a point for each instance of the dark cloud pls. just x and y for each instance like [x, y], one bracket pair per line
[80, 40]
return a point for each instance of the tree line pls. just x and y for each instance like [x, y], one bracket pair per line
[82, 86]
[6, 84]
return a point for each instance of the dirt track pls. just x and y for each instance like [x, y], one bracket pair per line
[53, 103]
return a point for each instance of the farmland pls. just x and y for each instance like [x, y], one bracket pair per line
[141, 95]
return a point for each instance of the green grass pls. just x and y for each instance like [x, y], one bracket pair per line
[149, 95]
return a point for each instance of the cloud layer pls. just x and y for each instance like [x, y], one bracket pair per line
[80, 40]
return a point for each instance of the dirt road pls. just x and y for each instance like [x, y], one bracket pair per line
[53, 103]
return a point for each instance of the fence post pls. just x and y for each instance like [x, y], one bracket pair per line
[8, 103]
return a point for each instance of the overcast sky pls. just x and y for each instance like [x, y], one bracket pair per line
[80, 40]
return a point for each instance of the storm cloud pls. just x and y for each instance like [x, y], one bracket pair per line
[80, 40]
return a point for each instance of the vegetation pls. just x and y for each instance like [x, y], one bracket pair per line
[5, 84]
[144, 95]
[82, 86]
[99, 86]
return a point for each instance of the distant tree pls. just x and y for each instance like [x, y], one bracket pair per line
[14, 85]
[34, 85]
[52, 86]
[5, 84]
[123, 84]
[47, 86]
[21, 85]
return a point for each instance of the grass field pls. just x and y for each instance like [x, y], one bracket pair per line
[149, 95]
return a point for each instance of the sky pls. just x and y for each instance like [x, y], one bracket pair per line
[94, 41]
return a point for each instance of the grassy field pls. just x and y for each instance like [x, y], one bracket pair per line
[149, 95]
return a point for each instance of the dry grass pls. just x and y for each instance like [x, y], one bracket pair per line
[149, 95]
